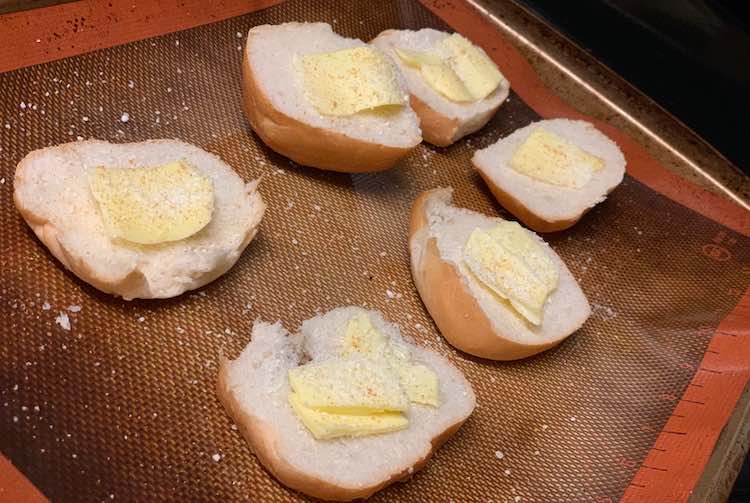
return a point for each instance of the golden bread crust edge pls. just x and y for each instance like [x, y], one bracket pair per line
[456, 312]
[262, 439]
[309, 145]
[533, 221]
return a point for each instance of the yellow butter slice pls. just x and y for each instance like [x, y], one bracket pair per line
[508, 261]
[419, 382]
[479, 73]
[361, 337]
[349, 386]
[150, 205]
[436, 72]
[552, 159]
[445, 81]
[415, 59]
[348, 81]
[327, 425]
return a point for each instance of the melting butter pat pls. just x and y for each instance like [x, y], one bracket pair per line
[508, 261]
[361, 337]
[349, 386]
[348, 81]
[151, 205]
[419, 382]
[327, 425]
[552, 159]
[455, 68]
[479, 73]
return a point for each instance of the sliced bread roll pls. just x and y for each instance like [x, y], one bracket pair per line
[52, 193]
[470, 316]
[278, 109]
[542, 206]
[443, 121]
[255, 390]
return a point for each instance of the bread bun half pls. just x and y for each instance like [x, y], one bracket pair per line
[541, 206]
[470, 317]
[51, 191]
[278, 111]
[443, 121]
[254, 389]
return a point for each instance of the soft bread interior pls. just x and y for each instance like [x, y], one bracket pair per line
[52, 192]
[566, 308]
[271, 54]
[551, 202]
[258, 381]
[470, 115]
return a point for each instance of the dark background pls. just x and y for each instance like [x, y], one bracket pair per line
[690, 56]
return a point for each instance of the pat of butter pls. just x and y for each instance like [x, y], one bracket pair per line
[419, 382]
[327, 425]
[151, 205]
[508, 261]
[552, 159]
[361, 337]
[479, 73]
[348, 81]
[445, 81]
[456, 69]
[349, 386]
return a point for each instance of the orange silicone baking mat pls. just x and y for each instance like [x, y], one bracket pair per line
[121, 406]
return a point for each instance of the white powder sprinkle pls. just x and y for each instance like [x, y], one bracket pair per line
[239, 34]
[390, 294]
[507, 471]
[572, 418]
[216, 457]
[141, 319]
[74, 308]
[63, 320]
[499, 455]
[125, 117]
[131, 84]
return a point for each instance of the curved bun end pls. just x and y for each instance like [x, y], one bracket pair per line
[306, 144]
[143, 272]
[293, 457]
[456, 312]
[520, 210]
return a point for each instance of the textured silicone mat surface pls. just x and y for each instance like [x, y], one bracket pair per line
[122, 405]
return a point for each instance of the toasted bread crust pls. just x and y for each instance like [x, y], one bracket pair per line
[262, 438]
[309, 145]
[437, 129]
[456, 312]
[133, 285]
[522, 212]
